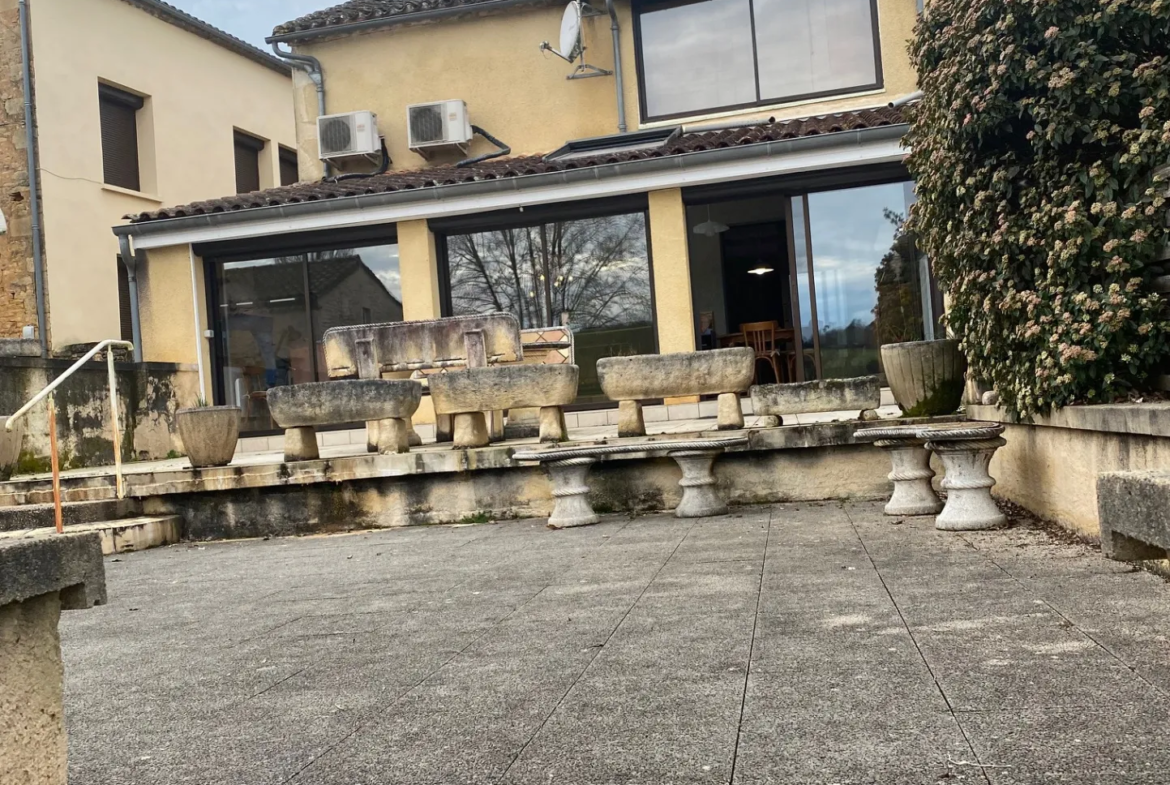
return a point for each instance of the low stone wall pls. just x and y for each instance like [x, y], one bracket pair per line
[38, 579]
[148, 395]
[1050, 467]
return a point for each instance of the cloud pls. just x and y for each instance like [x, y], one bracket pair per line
[251, 20]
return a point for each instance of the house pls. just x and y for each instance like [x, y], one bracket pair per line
[135, 105]
[660, 174]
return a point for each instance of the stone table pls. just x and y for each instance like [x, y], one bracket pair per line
[911, 473]
[965, 451]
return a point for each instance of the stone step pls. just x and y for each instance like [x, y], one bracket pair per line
[36, 516]
[121, 536]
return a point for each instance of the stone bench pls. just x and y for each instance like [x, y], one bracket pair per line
[39, 577]
[468, 393]
[632, 379]
[568, 470]
[302, 408]
[863, 394]
[1134, 511]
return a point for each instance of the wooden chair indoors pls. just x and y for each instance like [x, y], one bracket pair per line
[764, 338]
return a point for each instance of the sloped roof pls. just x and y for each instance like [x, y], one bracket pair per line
[183, 20]
[360, 11]
[520, 166]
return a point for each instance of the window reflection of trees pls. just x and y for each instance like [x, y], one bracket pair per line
[593, 270]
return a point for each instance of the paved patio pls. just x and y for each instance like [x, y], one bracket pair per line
[791, 644]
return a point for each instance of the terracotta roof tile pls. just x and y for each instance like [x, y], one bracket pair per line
[356, 11]
[521, 166]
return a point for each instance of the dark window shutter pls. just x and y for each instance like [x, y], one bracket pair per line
[119, 121]
[124, 301]
[247, 163]
[288, 166]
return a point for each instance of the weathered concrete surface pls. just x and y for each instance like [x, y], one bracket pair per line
[1134, 510]
[118, 536]
[343, 401]
[38, 577]
[641, 377]
[829, 395]
[20, 347]
[10, 445]
[796, 644]
[1035, 470]
[36, 516]
[926, 377]
[70, 564]
[371, 349]
[209, 434]
[503, 387]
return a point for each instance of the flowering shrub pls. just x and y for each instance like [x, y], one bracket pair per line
[1035, 150]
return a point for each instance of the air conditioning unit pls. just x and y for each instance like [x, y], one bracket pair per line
[438, 124]
[347, 135]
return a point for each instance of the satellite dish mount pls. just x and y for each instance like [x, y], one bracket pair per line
[571, 43]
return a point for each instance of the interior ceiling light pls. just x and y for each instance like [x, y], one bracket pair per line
[710, 228]
[761, 270]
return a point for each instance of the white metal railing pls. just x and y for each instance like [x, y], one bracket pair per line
[47, 392]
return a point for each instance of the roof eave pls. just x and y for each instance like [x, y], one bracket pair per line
[519, 183]
[397, 19]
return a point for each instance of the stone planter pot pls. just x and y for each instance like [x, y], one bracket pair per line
[926, 377]
[10, 442]
[209, 434]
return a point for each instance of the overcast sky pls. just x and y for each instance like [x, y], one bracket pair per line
[251, 20]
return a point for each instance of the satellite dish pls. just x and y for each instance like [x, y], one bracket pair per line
[571, 32]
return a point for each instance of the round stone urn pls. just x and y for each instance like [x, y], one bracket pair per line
[209, 434]
[926, 377]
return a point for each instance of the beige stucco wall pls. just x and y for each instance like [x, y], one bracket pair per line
[168, 312]
[514, 90]
[673, 310]
[197, 93]
[32, 731]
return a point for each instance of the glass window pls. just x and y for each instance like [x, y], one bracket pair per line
[866, 276]
[273, 313]
[717, 54]
[592, 274]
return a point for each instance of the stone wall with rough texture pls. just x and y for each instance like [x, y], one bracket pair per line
[18, 305]
[32, 723]
[148, 396]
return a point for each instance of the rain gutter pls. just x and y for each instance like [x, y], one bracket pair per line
[34, 180]
[417, 16]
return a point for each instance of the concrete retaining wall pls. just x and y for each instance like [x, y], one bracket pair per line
[1050, 467]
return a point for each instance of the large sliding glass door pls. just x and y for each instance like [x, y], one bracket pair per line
[272, 313]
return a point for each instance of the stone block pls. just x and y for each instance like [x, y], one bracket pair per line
[1133, 510]
[343, 401]
[20, 347]
[829, 395]
[503, 387]
[67, 563]
[641, 377]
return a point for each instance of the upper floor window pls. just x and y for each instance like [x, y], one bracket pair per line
[119, 122]
[713, 55]
[288, 166]
[248, 149]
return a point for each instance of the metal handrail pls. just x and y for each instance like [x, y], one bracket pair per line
[47, 392]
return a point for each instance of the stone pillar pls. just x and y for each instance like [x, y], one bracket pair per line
[393, 436]
[673, 306]
[44, 575]
[444, 428]
[300, 444]
[552, 424]
[700, 499]
[913, 494]
[471, 430]
[522, 423]
[730, 412]
[965, 452]
[630, 422]
[571, 505]
[418, 264]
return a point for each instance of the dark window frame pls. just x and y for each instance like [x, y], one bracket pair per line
[288, 157]
[113, 99]
[640, 7]
[253, 146]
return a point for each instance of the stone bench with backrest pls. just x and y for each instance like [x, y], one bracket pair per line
[862, 394]
[371, 351]
[631, 380]
[467, 394]
[302, 408]
[568, 469]
[1134, 512]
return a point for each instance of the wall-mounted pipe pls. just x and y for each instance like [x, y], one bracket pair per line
[131, 264]
[500, 151]
[616, 30]
[905, 99]
[311, 66]
[34, 180]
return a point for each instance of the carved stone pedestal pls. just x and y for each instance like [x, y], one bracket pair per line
[965, 454]
[700, 499]
[911, 475]
[570, 492]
